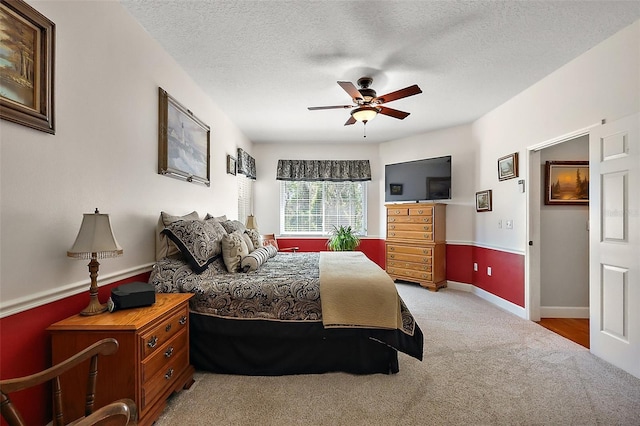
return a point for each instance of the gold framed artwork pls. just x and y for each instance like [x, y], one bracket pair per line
[27, 47]
[508, 166]
[566, 183]
[183, 145]
[484, 202]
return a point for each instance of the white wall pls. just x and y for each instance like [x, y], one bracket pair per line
[104, 154]
[267, 188]
[602, 83]
[564, 238]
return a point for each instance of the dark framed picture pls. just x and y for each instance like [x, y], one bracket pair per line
[183, 145]
[27, 47]
[231, 165]
[566, 183]
[508, 166]
[484, 201]
[395, 188]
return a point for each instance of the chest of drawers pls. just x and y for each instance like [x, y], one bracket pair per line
[416, 245]
[151, 363]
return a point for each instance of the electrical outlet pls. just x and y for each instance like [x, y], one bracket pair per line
[489, 270]
[509, 224]
[500, 224]
[475, 267]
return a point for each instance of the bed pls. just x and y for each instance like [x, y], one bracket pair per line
[269, 321]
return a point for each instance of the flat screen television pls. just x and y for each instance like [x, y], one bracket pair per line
[421, 180]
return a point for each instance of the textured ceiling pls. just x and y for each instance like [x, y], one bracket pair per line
[265, 62]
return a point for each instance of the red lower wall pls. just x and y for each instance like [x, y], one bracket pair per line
[25, 347]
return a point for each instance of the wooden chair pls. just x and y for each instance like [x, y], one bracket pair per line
[121, 412]
[271, 239]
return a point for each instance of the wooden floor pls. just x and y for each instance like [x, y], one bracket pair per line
[573, 329]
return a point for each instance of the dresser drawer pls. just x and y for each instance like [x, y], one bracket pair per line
[409, 219]
[421, 211]
[392, 248]
[420, 227]
[411, 235]
[423, 276]
[414, 258]
[161, 333]
[398, 212]
[164, 378]
[156, 361]
[426, 267]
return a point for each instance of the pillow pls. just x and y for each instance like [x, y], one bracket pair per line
[164, 246]
[257, 258]
[247, 240]
[255, 237]
[233, 225]
[233, 249]
[222, 218]
[198, 240]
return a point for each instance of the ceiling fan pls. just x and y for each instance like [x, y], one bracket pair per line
[367, 104]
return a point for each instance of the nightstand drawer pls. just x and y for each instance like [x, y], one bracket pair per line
[163, 355]
[164, 378]
[160, 334]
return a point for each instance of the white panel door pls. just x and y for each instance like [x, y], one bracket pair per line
[614, 246]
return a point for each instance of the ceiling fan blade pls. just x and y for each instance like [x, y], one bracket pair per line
[330, 107]
[350, 89]
[350, 121]
[401, 115]
[399, 94]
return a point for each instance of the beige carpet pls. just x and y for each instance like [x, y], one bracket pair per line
[482, 366]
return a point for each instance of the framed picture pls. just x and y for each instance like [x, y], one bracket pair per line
[566, 183]
[27, 44]
[508, 166]
[395, 188]
[231, 165]
[183, 145]
[484, 201]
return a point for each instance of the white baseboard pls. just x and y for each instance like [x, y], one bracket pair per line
[564, 312]
[491, 298]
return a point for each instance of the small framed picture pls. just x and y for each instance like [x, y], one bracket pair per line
[395, 188]
[566, 183]
[483, 201]
[231, 165]
[508, 166]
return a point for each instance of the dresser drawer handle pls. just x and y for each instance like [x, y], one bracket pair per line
[183, 320]
[391, 219]
[392, 256]
[393, 234]
[392, 248]
[397, 211]
[167, 328]
[169, 374]
[168, 352]
[153, 342]
[420, 211]
[392, 227]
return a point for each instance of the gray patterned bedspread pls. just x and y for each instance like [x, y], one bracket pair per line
[286, 288]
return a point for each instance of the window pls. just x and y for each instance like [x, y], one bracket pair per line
[316, 207]
[245, 195]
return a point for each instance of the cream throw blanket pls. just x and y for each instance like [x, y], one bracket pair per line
[355, 292]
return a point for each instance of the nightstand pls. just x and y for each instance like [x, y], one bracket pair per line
[151, 363]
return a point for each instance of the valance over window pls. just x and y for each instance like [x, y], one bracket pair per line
[246, 164]
[324, 170]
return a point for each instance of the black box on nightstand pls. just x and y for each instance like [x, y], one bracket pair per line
[132, 295]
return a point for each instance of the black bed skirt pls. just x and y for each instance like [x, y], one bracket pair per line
[241, 347]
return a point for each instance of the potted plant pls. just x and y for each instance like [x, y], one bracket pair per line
[343, 238]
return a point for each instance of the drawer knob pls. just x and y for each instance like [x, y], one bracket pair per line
[397, 211]
[391, 219]
[169, 374]
[168, 352]
[393, 234]
[392, 248]
[392, 255]
[420, 211]
[153, 342]
[183, 320]
[392, 226]
[167, 328]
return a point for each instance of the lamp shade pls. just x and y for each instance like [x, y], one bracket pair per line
[95, 238]
[365, 113]
[252, 223]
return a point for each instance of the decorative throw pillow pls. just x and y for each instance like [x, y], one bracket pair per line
[233, 225]
[222, 218]
[257, 258]
[248, 241]
[198, 240]
[255, 237]
[164, 246]
[233, 249]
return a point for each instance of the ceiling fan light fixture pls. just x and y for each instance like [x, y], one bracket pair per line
[365, 113]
